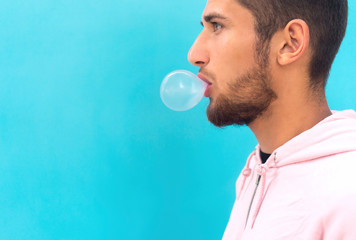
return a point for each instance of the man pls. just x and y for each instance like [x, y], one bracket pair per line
[267, 62]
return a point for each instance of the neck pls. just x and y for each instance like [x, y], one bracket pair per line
[285, 119]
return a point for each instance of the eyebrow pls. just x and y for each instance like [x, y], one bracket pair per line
[208, 18]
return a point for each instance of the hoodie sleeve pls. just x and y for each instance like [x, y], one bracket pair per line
[339, 222]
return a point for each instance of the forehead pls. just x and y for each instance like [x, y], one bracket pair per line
[230, 9]
[219, 4]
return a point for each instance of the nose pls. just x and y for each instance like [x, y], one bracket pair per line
[198, 54]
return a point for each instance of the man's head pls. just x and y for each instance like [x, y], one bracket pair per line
[247, 47]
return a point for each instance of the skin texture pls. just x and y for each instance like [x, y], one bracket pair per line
[269, 91]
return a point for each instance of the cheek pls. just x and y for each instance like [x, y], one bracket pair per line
[233, 57]
[240, 51]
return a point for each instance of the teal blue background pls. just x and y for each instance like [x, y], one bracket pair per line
[88, 150]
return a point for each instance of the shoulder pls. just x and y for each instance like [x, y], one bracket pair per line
[334, 220]
[337, 174]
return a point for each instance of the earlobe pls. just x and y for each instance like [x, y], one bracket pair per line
[295, 42]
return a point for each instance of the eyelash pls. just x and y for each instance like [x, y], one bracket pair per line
[216, 25]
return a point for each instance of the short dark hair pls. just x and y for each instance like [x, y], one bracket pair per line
[327, 21]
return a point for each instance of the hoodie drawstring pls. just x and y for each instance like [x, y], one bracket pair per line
[261, 170]
[246, 172]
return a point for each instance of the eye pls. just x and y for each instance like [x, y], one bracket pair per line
[216, 26]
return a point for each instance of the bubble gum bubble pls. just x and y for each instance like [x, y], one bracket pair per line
[181, 90]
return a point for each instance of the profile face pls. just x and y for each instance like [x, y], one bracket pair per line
[225, 51]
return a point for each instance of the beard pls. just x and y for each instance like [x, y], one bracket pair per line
[248, 97]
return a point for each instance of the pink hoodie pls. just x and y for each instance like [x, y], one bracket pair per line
[307, 187]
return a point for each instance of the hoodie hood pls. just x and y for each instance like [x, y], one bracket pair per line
[334, 135]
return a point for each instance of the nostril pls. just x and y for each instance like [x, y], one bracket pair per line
[199, 62]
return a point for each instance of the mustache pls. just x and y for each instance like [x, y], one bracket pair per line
[207, 74]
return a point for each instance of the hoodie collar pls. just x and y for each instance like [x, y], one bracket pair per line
[334, 135]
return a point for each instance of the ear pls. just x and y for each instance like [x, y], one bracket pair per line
[295, 42]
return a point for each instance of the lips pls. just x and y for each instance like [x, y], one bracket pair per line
[208, 88]
[201, 76]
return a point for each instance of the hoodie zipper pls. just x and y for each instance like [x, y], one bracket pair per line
[253, 197]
